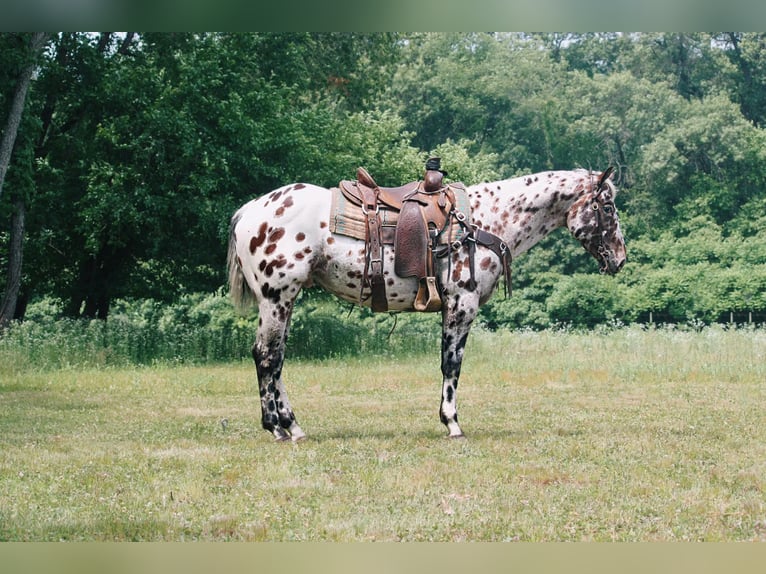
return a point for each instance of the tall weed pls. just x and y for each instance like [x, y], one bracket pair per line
[204, 328]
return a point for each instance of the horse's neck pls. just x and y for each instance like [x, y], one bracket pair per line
[522, 211]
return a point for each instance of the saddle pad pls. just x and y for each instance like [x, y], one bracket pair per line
[346, 218]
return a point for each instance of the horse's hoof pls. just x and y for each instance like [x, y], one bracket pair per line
[280, 435]
[296, 433]
[456, 436]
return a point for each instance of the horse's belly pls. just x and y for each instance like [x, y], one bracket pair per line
[342, 273]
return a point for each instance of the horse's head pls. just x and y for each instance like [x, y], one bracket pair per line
[593, 221]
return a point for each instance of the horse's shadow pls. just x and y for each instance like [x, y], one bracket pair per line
[437, 435]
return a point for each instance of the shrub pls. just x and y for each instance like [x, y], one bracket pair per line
[583, 300]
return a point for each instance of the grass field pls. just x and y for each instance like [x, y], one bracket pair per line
[631, 435]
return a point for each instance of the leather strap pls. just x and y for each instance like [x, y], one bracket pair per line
[373, 269]
[475, 236]
[499, 248]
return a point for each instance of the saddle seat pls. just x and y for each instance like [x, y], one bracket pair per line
[393, 197]
[436, 203]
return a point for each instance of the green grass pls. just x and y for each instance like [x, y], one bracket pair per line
[631, 435]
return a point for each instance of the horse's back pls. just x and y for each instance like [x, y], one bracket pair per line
[286, 204]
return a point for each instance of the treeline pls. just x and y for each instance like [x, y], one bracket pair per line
[134, 149]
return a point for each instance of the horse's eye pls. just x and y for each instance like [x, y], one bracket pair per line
[608, 209]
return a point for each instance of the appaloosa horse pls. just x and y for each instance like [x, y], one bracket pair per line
[282, 242]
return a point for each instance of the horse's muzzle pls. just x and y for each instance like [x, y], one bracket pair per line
[611, 262]
[611, 265]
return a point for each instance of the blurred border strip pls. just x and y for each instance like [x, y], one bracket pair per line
[389, 15]
[381, 558]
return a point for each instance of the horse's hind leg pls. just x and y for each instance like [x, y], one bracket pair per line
[277, 416]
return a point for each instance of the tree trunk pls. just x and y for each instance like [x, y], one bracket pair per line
[8, 305]
[17, 105]
[13, 284]
[92, 292]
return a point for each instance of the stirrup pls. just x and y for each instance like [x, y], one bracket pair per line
[427, 299]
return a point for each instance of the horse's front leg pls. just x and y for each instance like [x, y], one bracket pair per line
[458, 313]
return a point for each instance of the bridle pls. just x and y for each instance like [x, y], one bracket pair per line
[603, 251]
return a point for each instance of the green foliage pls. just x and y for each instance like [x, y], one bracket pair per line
[135, 150]
[201, 328]
[462, 165]
[196, 329]
[525, 309]
[583, 300]
[747, 72]
[708, 162]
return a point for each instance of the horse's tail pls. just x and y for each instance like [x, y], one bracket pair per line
[240, 291]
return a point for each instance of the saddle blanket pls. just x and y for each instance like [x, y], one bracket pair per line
[346, 218]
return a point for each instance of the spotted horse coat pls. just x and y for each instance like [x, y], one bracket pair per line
[281, 242]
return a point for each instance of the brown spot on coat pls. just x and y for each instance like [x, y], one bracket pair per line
[457, 271]
[276, 235]
[275, 264]
[257, 240]
[288, 202]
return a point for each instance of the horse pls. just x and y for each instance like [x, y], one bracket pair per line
[282, 242]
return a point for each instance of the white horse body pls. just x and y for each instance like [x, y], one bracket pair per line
[282, 242]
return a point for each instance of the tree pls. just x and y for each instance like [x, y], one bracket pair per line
[19, 98]
[747, 53]
[157, 140]
[31, 48]
[709, 161]
[501, 91]
[591, 53]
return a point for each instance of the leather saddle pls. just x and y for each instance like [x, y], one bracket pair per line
[424, 209]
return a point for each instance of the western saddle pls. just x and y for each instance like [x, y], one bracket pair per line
[424, 210]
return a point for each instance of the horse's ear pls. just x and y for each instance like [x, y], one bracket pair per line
[604, 176]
